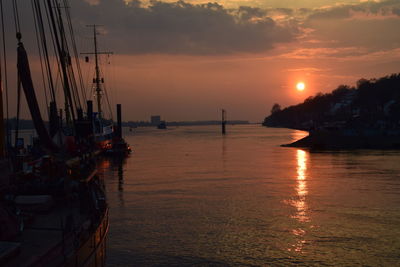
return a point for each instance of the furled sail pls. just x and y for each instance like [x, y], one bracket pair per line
[27, 84]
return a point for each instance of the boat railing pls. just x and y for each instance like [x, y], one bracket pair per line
[69, 247]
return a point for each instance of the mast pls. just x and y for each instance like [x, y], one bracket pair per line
[2, 151]
[3, 128]
[98, 89]
[63, 56]
[97, 80]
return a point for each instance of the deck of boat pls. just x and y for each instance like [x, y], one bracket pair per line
[65, 235]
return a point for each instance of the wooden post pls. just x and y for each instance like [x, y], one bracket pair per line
[223, 122]
[119, 121]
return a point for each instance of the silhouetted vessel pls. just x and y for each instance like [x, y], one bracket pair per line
[52, 217]
[103, 128]
[162, 125]
[53, 208]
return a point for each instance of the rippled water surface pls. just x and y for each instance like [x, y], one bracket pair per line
[189, 196]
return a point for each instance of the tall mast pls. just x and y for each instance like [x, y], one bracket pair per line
[97, 79]
[98, 89]
[58, 32]
[2, 151]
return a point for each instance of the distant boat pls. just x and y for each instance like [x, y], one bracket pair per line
[162, 125]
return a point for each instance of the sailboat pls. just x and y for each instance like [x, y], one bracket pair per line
[53, 208]
[108, 137]
[103, 128]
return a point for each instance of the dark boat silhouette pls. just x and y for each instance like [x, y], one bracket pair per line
[162, 125]
[53, 208]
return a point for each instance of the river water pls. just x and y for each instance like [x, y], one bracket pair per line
[188, 196]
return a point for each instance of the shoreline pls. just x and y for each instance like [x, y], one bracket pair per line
[340, 140]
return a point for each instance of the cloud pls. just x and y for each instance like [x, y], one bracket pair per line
[184, 28]
[156, 27]
[247, 13]
[370, 9]
[325, 53]
[353, 31]
[307, 69]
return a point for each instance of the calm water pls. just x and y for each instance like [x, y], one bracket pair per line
[188, 196]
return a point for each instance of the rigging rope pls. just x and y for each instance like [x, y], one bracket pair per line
[69, 110]
[72, 35]
[18, 35]
[70, 73]
[58, 75]
[5, 73]
[16, 18]
[35, 15]
[40, 26]
[18, 109]
[108, 100]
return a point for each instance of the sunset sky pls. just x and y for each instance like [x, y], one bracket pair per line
[185, 60]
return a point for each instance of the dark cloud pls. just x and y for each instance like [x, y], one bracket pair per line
[332, 13]
[247, 13]
[183, 28]
[207, 29]
[369, 27]
[384, 8]
[286, 11]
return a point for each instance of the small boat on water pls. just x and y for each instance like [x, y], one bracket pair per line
[162, 125]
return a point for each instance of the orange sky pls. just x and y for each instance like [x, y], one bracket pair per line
[186, 61]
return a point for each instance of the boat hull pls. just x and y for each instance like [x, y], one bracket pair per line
[93, 250]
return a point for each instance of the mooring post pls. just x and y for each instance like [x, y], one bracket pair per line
[119, 121]
[223, 122]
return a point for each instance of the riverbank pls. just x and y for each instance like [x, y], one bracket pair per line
[347, 140]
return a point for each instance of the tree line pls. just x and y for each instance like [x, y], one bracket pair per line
[371, 103]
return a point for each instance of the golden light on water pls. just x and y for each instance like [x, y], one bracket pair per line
[300, 200]
[301, 164]
[301, 188]
[300, 86]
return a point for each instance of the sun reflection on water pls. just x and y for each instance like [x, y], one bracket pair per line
[299, 202]
[301, 188]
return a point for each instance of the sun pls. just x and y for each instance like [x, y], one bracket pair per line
[300, 86]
